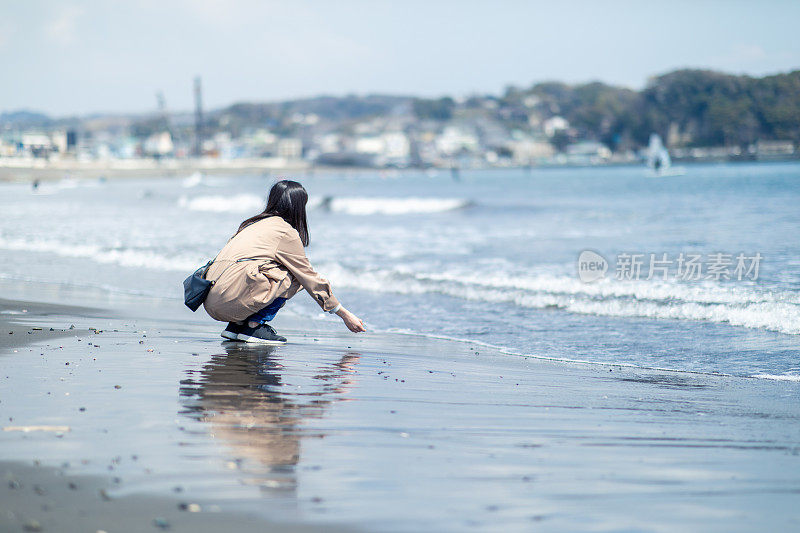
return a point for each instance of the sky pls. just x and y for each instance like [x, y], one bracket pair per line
[77, 57]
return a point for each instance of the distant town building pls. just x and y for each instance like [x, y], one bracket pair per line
[36, 144]
[290, 148]
[553, 125]
[159, 144]
[454, 140]
[396, 145]
[521, 128]
[369, 145]
[530, 151]
[329, 143]
[58, 140]
[587, 152]
[774, 149]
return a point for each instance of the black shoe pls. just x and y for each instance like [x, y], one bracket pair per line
[232, 331]
[261, 334]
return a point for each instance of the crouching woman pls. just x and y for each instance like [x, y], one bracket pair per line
[263, 265]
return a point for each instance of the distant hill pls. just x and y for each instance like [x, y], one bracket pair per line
[328, 108]
[713, 108]
[25, 118]
[686, 107]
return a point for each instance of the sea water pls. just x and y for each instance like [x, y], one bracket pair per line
[488, 256]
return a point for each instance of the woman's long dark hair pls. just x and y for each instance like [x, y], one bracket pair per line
[287, 199]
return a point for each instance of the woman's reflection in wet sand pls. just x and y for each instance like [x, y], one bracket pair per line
[257, 406]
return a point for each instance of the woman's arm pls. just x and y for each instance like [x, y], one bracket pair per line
[292, 255]
[353, 323]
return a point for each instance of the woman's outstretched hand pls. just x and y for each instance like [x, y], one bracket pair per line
[353, 323]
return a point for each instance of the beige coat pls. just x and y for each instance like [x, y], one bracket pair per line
[280, 270]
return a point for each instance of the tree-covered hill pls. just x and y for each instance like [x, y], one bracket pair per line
[687, 107]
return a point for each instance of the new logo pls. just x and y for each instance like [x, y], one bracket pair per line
[591, 266]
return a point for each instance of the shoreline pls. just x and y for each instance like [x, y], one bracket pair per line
[383, 432]
[294, 320]
[45, 171]
[16, 334]
[40, 498]
[41, 170]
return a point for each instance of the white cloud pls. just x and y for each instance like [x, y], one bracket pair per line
[62, 28]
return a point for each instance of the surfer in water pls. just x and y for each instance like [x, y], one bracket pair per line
[263, 265]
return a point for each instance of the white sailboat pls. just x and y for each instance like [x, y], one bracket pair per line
[659, 162]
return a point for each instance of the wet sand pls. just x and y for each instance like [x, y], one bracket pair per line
[16, 333]
[39, 498]
[378, 432]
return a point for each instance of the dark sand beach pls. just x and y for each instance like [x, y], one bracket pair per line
[140, 418]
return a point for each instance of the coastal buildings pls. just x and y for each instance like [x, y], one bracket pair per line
[548, 124]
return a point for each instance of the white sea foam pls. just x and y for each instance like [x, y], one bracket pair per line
[238, 203]
[778, 377]
[740, 306]
[701, 292]
[193, 180]
[242, 203]
[772, 310]
[53, 187]
[105, 255]
[392, 206]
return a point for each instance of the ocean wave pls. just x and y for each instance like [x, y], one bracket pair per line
[360, 206]
[747, 307]
[777, 377]
[389, 206]
[48, 188]
[125, 257]
[193, 180]
[750, 307]
[315, 314]
[238, 203]
[700, 292]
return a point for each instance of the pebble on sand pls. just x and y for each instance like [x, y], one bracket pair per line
[32, 525]
[26, 429]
